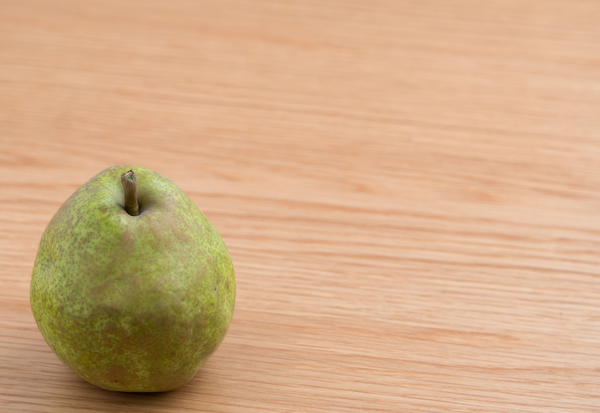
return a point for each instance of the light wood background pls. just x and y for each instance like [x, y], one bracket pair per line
[410, 191]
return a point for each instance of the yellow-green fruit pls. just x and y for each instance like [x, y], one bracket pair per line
[132, 303]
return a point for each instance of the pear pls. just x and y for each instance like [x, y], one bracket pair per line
[132, 287]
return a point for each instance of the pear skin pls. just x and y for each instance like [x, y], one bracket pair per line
[133, 303]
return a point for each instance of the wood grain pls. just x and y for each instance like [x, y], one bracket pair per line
[409, 191]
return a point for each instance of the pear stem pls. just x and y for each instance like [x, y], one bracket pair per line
[129, 182]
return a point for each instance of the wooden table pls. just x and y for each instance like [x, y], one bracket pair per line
[410, 192]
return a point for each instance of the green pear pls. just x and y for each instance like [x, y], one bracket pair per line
[132, 286]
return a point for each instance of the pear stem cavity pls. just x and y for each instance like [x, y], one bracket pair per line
[129, 182]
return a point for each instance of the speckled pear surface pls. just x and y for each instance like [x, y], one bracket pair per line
[132, 303]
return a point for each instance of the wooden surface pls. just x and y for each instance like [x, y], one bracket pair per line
[410, 192]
